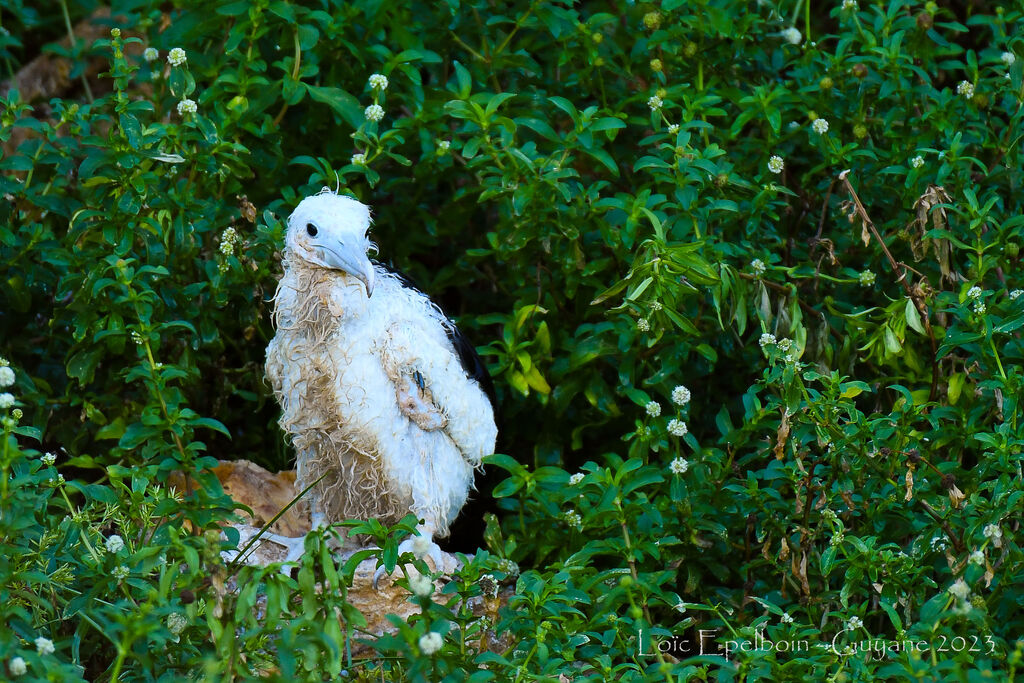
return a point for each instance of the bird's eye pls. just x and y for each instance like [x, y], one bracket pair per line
[311, 229]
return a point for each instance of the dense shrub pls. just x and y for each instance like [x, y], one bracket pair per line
[745, 399]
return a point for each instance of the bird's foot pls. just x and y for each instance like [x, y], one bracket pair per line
[422, 547]
[262, 553]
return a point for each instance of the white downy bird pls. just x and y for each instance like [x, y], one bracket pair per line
[379, 390]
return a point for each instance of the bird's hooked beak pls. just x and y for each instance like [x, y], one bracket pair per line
[352, 261]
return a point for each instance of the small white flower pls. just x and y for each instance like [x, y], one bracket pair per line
[1008, 58]
[573, 519]
[766, 339]
[6, 401]
[677, 427]
[776, 164]
[680, 395]
[576, 478]
[643, 325]
[44, 646]
[960, 589]
[679, 466]
[114, 544]
[917, 162]
[420, 585]
[18, 667]
[673, 128]
[656, 306]
[176, 623]
[979, 308]
[150, 54]
[866, 278]
[430, 643]
[653, 408]
[819, 126]
[992, 531]
[977, 557]
[784, 344]
[6, 376]
[120, 572]
[187, 106]
[837, 538]
[421, 545]
[854, 623]
[379, 82]
[785, 618]
[358, 160]
[1016, 293]
[974, 292]
[509, 567]
[655, 103]
[850, 5]
[791, 35]
[757, 265]
[965, 88]
[938, 543]
[374, 112]
[48, 459]
[444, 145]
[176, 57]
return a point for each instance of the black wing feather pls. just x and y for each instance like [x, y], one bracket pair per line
[468, 357]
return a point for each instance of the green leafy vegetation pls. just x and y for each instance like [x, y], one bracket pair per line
[746, 277]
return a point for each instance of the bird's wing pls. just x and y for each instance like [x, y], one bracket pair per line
[435, 392]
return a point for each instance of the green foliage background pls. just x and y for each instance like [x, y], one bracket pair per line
[589, 191]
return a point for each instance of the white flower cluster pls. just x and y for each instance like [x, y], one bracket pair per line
[819, 126]
[655, 103]
[673, 128]
[791, 35]
[960, 589]
[443, 146]
[854, 623]
[1016, 293]
[974, 292]
[49, 459]
[785, 618]
[7, 376]
[150, 54]
[358, 160]
[114, 543]
[757, 265]
[228, 240]
[509, 567]
[573, 519]
[917, 162]
[1008, 58]
[850, 5]
[378, 82]
[420, 585]
[187, 106]
[374, 113]
[176, 57]
[120, 572]
[776, 164]
[677, 427]
[576, 478]
[6, 401]
[977, 557]
[421, 545]
[679, 466]
[767, 339]
[44, 646]
[965, 88]
[430, 643]
[992, 531]
[18, 667]
[653, 408]
[866, 278]
[643, 325]
[680, 395]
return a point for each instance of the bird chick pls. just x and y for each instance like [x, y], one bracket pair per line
[383, 400]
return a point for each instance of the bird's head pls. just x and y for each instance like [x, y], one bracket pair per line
[330, 231]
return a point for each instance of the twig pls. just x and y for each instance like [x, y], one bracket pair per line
[899, 269]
